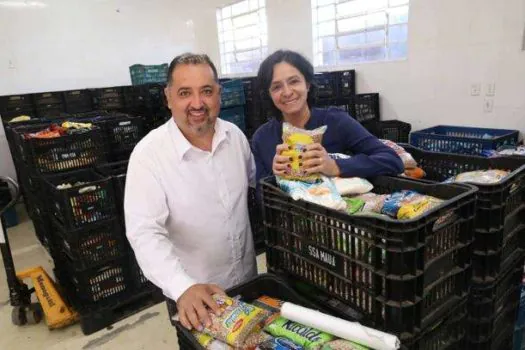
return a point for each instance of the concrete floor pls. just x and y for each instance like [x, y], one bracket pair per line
[149, 329]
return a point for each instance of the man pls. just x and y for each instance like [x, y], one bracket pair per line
[186, 196]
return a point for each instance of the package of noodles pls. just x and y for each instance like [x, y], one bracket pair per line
[298, 139]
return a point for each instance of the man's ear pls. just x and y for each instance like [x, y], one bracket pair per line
[167, 93]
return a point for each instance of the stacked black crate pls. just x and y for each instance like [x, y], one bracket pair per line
[78, 101]
[233, 101]
[16, 105]
[149, 102]
[49, 104]
[108, 99]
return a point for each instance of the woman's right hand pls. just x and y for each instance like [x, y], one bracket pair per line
[281, 164]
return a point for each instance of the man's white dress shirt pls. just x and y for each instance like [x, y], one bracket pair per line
[186, 209]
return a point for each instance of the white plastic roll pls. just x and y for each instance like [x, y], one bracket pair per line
[352, 331]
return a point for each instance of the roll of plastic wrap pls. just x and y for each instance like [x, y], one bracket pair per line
[352, 331]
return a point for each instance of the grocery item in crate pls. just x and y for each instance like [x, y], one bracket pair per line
[341, 344]
[415, 173]
[480, 176]
[340, 328]
[352, 185]
[20, 118]
[268, 303]
[67, 128]
[518, 151]
[298, 139]
[308, 337]
[373, 203]
[408, 161]
[323, 193]
[405, 205]
[354, 205]
[209, 343]
[238, 320]
[279, 344]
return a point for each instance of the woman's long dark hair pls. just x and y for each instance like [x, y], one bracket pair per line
[265, 75]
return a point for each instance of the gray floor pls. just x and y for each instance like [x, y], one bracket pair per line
[149, 329]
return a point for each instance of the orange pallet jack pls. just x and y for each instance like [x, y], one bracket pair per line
[50, 303]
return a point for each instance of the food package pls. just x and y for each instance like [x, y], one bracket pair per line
[352, 186]
[415, 173]
[405, 205]
[279, 344]
[373, 202]
[354, 205]
[480, 176]
[408, 161]
[268, 303]
[308, 337]
[341, 344]
[207, 342]
[238, 320]
[323, 193]
[298, 139]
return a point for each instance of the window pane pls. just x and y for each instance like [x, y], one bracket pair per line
[374, 5]
[246, 20]
[247, 44]
[228, 46]
[398, 2]
[325, 2]
[351, 56]
[398, 33]
[398, 51]
[329, 58]
[226, 11]
[254, 5]
[229, 57]
[351, 24]
[327, 28]
[248, 32]
[328, 44]
[351, 8]
[375, 53]
[249, 55]
[375, 36]
[240, 7]
[228, 36]
[219, 16]
[376, 20]
[326, 13]
[351, 40]
[398, 15]
[261, 3]
[228, 25]
[264, 40]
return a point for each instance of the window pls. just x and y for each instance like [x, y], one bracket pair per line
[353, 31]
[243, 36]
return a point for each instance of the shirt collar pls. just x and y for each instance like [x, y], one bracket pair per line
[183, 146]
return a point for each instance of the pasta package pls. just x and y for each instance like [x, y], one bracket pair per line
[238, 320]
[405, 205]
[408, 161]
[298, 139]
[308, 337]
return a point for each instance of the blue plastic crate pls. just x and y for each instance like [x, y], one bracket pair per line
[234, 115]
[232, 94]
[141, 74]
[463, 140]
[519, 338]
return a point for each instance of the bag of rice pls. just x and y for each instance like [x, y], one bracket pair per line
[341, 344]
[238, 320]
[298, 139]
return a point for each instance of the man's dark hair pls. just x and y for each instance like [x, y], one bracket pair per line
[191, 58]
[265, 75]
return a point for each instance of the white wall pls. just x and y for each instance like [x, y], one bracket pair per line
[452, 45]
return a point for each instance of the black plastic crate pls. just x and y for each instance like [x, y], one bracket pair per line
[495, 201]
[488, 300]
[149, 96]
[393, 130]
[365, 107]
[15, 103]
[250, 88]
[256, 220]
[326, 84]
[97, 286]
[346, 83]
[92, 245]
[52, 111]
[108, 98]
[92, 201]
[78, 101]
[495, 333]
[117, 172]
[266, 284]
[399, 275]
[60, 154]
[48, 98]
[154, 118]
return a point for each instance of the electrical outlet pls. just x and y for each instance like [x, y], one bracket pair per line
[475, 89]
[491, 89]
[488, 105]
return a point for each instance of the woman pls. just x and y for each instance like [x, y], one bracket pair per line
[285, 80]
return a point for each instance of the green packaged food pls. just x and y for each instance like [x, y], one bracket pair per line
[308, 337]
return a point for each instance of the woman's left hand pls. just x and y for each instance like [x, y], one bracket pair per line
[316, 160]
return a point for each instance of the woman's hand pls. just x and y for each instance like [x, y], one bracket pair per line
[316, 160]
[282, 165]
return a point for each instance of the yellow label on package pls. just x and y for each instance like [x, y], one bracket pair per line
[298, 139]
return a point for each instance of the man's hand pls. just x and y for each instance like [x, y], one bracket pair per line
[192, 305]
